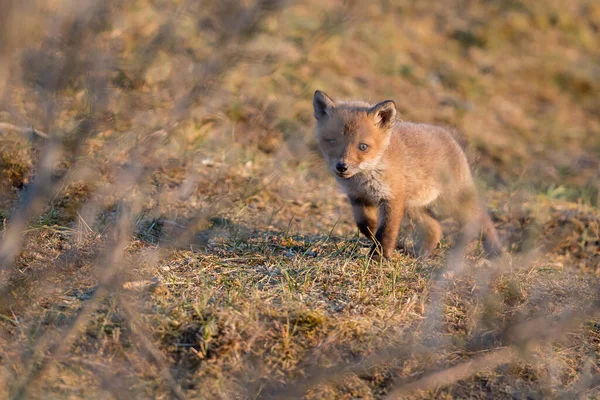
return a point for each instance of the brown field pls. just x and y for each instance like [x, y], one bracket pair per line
[167, 229]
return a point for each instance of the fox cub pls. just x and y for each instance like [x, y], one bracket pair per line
[388, 167]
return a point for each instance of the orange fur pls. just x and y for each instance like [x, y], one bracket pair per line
[387, 167]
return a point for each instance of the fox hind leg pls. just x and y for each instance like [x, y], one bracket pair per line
[491, 241]
[429, 231]
[475, 222]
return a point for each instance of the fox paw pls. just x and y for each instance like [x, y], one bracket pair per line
[377, 253]
[417, 251]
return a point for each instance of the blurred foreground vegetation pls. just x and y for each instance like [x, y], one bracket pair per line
[168, 230]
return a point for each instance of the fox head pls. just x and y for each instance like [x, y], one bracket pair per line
[352, 136]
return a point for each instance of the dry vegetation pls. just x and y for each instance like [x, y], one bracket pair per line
[167, 230]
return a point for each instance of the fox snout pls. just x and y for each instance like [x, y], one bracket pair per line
[347, 166]
[341, 167]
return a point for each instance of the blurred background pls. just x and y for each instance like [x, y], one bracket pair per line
[169, 231]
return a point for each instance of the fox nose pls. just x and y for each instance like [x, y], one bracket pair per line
[341, 167]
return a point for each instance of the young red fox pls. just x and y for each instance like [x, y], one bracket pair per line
[388, 167]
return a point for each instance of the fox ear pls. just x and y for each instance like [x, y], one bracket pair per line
[322, 104]
[384, 114]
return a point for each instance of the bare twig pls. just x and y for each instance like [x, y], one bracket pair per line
[29, 131]
[157, 357]
[456, 373]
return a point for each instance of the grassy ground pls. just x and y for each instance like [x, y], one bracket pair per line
[168, 230]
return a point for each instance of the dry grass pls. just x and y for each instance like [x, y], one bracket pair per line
[167, 229]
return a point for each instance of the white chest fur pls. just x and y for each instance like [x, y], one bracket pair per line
[366, 185]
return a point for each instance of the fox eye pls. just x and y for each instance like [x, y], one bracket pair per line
[330, 141]
[363, 146]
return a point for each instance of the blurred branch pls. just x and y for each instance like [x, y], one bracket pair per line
[238, 27]
[33, 201]
[516, 337]
[108, 280]
[521, 336]
[48, 351]
[156, 356]
[31, 130]
[459, 372]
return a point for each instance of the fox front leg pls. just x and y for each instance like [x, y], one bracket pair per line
[390, 218]
[365, 216]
